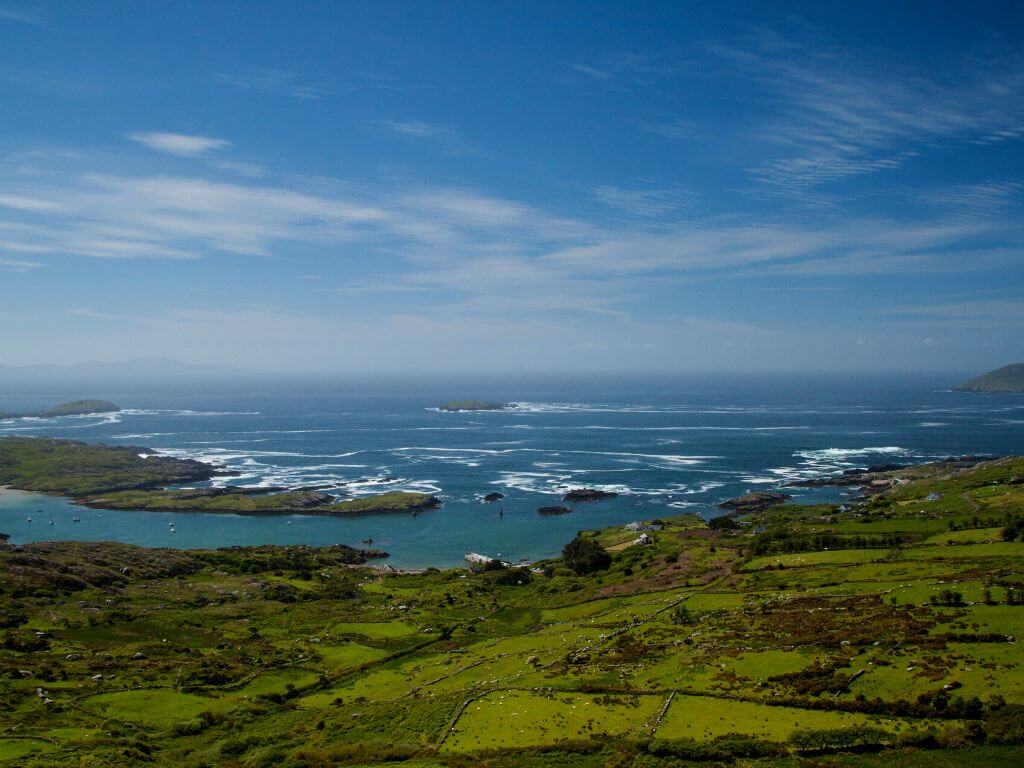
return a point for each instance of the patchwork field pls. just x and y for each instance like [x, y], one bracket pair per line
[884, 635]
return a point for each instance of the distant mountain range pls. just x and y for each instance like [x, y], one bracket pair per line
[1009, 378]
[146, 367]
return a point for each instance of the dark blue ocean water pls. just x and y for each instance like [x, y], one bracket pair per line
[665, 444]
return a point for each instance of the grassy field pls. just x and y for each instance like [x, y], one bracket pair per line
[800, 636]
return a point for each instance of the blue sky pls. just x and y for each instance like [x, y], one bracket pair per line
[529, 186]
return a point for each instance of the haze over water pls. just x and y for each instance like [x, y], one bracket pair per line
[667, 445]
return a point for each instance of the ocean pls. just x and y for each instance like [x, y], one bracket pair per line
[666, 444]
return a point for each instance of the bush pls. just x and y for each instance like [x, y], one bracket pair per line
[586, 556]
[840, 739]
[684, 749]
[959, 736]
[1005, 725]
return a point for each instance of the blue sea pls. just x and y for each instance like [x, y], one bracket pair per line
[666, 444]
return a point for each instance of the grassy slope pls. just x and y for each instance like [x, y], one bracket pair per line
[78, 469]
[1009, 378]
[292, 657]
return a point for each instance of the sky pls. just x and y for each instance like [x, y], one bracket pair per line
[389, 187]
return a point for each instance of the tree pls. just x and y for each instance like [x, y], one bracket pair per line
[723, 523]
[585, 556]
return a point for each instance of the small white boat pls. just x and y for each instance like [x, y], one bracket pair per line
[28, 519]
[52, 523]
[76, 520]
[288, 523]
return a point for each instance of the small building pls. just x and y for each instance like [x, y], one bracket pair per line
[644, 540]
[933, 496]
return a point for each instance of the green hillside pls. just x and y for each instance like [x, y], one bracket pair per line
[1009, 378]
[886, 634]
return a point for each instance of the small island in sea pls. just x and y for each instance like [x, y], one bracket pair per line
[74, 408]
[133, 478]
[1008, 379]
[473, 405]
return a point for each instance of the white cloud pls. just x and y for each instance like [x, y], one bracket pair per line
[181, 144]
[834, 113]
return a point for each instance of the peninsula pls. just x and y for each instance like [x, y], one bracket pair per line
[134, 478]
[75, 408]
[1008, 379]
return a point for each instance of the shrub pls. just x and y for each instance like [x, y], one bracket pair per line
[840, 739]
[586, 556]
[1005, 725]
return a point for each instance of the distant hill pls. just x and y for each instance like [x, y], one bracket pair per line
[75, 408]
[1009, 378]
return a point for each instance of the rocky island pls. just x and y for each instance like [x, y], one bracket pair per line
[472, 405]
[133, 478]
[552, 511]
[755, 501]
[74, 408]
[588, 494]
[1008, 379]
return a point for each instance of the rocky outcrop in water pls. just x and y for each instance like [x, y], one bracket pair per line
[757, 501]
[588, 494]
[551, 511]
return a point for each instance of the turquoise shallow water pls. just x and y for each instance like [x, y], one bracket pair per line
[665, 444]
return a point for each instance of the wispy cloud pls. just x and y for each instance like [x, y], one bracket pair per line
[643, 202]
[996, 309]
[428, 133]
[473, 251]
[672, 129]
[988, 198]
[274, 81]
[181, 144]
[18, 265]
[12, 13]
[838, 114]
[624, 70]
